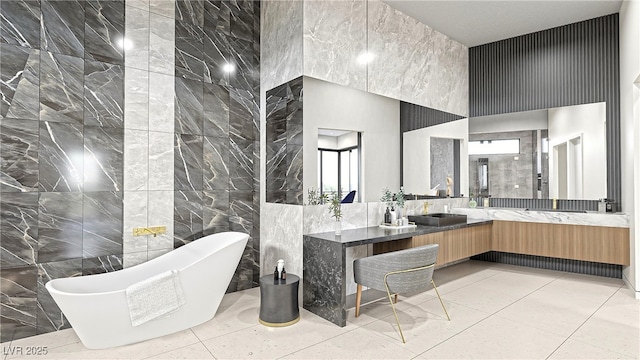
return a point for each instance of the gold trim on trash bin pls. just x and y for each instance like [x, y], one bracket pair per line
[279, 324]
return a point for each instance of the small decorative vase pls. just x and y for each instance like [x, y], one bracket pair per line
[472, 203]
[338, 227]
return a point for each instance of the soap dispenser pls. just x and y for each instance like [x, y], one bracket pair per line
[387, 216]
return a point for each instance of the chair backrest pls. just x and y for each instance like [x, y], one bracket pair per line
[349, 198]
[370, 271]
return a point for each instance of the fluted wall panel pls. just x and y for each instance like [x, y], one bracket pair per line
[568, 65]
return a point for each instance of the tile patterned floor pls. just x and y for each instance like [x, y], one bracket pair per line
[497, 312]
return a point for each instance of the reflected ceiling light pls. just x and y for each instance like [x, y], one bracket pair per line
[366, 57]
[124, 43]
[228, 68]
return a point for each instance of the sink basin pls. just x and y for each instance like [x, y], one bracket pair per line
[439, 219]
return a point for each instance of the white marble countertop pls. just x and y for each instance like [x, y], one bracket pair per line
[551, 217]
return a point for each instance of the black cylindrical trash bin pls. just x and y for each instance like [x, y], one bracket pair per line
[279, 301]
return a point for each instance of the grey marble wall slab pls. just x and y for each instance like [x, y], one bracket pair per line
[50, 317]
[133, 259]
[241, 104]
[161, 41]
[241, 24]
[161, 214]
[241, 164]
[102, 264]
[137, 25]
[189, 107]
[216, 54]
[335, 37]
[19, 228]
[188, 162]
[62, 27]
[20, 79]
[19, 154]
[103, 159]
[101, 224]
[317, 218]
[217, 15]
[59, 227]
[136, 160]
[281, 237]
[215, 211]
[61, 88]
[104, 30]
[241, 56]
[18, 303]
[415, 63]
[103, 94]
[187, 217]
[161, 102]
[20, 23]
[60, 159]
[241, 211]
[161, 161]
[165, 8]
[136, 99]
[216, 110]
[190, 11]
[138, 4]
[441, 153]
[282, 42]
[135, 214]
[189, 58]
[216, 163]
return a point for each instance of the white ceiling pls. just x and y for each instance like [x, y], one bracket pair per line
[478, 22]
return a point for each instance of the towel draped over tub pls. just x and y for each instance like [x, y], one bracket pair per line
[154, 297]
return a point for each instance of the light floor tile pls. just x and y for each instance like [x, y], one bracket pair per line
[360, 343]
[195, 351]
[228, 320]
[577, 350]
[496, 338]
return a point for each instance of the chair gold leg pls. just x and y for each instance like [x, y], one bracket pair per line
[358, 299]
[439, 298]
[395, 298]
[396, 315]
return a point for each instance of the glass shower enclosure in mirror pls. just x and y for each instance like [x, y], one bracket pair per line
[541, 154]
[339, 163]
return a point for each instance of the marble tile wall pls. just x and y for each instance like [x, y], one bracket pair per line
[61, 150]
[284, 143]
[216, 128]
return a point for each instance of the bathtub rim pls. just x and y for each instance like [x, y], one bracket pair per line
[49, 285]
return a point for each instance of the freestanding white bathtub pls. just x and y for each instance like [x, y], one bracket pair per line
[96, 305]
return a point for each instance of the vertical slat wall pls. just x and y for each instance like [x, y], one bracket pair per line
[568, 65]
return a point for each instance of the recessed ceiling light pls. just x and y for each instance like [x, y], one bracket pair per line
[366, 57]
[228, 68]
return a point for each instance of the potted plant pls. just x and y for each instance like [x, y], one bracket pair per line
[387, 199]
[335, 209]
[399, 198]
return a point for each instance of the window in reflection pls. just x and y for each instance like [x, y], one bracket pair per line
[338, 162]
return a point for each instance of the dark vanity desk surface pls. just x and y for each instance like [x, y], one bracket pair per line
[324, 259]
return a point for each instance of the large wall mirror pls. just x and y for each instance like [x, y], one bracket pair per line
[550, 153]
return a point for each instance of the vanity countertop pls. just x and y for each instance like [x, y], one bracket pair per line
[371, 235]
[549, 216]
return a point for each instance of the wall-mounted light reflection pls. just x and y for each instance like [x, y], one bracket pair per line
[366, 58]
[124, 44]
[228, 68]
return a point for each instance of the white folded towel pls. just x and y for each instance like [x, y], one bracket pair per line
[154, 297]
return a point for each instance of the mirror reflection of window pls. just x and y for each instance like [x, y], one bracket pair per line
[338, 162]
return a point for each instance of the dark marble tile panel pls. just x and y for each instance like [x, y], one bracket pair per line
[188, 162]
[294, 197]
[256, 167]
[241, 211]
[59, 227]
[187, 215]
[102, 264]
[241, 121]
[216, 57]
[217, 15]
[103, 158]
[190, 11]
[189, 108]
[61, 88]
[102, 224]
[19, 82]
[19, 154]
[242, 19]
[19, 228]
[294, 122]
[62, 27]
[18, 293]
[241, 164]
[241, 52]
[294, 171]
[277, 196]
[243, 278]
[50, 317]
[60, 157]
[103, 94]
[216, 110]
[20, 23]
[215, 214]
[276, 166]
[189, 53]
[104, 30]
[216, 163]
